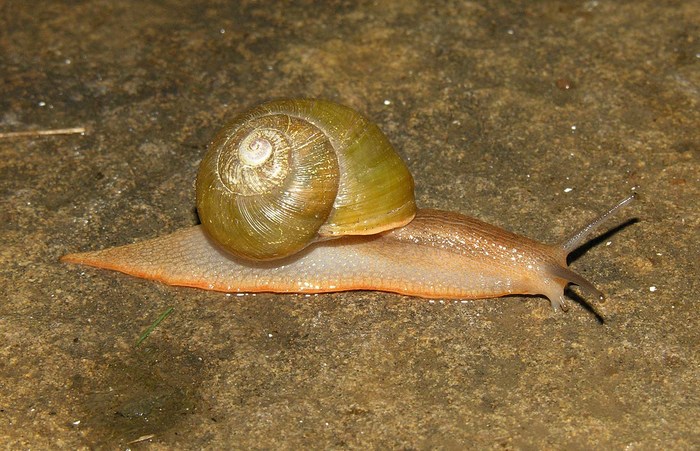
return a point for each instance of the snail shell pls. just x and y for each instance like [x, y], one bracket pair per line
[291, 172]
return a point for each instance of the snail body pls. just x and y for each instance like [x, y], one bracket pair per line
[371, 239]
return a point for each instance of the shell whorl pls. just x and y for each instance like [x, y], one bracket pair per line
[290, 172]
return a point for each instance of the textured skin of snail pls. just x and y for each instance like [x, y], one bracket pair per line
[393, 247]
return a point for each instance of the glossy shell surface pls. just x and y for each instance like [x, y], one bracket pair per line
[287, 173]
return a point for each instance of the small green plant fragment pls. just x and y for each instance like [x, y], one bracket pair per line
[148, 331]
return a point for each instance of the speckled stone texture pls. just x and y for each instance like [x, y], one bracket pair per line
[534, 116]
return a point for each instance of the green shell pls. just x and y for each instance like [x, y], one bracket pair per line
[287, 173]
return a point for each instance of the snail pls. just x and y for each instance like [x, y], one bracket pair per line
[308, 196]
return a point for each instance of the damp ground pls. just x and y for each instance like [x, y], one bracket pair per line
[531, 116]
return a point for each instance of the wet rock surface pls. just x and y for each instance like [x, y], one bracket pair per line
[534, 117]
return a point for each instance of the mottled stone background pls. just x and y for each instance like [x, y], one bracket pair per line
[534, 116]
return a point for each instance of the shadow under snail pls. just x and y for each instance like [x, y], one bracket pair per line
[308, 196]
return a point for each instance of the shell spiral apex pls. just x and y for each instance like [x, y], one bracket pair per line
[287, 173]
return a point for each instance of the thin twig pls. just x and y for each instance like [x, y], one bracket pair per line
[143, 438]
[32, 133]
